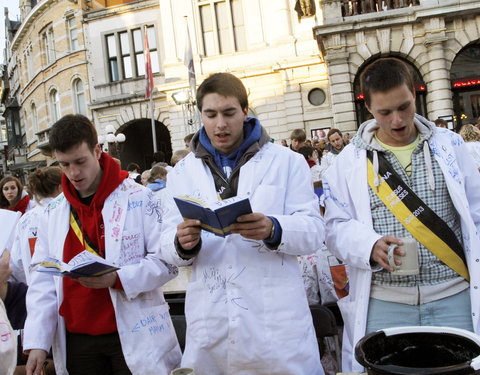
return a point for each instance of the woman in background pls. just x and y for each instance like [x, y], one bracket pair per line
[44, 184]
[13, 197]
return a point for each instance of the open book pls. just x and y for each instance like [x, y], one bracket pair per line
[215, 217]
[85, 264]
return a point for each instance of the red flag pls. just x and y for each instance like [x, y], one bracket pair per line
[148, 66]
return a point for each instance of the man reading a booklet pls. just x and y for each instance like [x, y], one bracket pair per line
[93, 323]
[402, 177]
[246, 307]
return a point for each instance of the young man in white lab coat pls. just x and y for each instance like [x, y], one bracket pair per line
[117, 323]
[396, 169]
[246, 307]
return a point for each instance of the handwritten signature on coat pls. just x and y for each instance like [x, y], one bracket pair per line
[215, 281]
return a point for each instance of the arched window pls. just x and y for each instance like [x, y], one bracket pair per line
[54, 105]
[79, 97]
[33, 109]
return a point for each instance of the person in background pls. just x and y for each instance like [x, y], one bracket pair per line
[94, 324]
[471, 135]
[178, 155]
[401, 176]
[311, 156]
[335, 139]
[441, 123]
[346, 138]
[187, 140]
[158, 178]
[145, 176]
[297, 139]
[245, 307]
[13, 197]
[133, 170]
[44, 184]
[284, 143]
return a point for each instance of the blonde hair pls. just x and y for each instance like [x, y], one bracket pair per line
[470, 133]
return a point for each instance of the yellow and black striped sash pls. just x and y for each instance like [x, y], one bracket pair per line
[420, 221]
[76, 226]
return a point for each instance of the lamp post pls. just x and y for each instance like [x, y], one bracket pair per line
[113, 141]
[191, 116]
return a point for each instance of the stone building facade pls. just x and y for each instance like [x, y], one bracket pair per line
[439, 39]
[51, 80]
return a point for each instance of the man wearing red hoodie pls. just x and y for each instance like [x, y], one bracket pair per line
[117, 323]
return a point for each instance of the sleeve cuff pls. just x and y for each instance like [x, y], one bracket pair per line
[274, 242]
[187, 254]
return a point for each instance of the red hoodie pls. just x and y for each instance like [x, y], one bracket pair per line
[87, 310]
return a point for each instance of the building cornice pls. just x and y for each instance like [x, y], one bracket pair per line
[94, 15]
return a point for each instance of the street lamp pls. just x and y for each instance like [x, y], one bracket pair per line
[191, 116]
[113, 141]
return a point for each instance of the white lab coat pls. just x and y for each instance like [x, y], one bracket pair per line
[246, 307]
[26, 233]
[132, 222]
[350, 234]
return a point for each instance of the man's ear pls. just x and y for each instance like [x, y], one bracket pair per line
[97, 151]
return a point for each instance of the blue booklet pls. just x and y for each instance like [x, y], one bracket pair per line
[216, 217]
[85, 264]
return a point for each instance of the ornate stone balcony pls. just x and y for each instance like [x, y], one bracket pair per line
[356, 7]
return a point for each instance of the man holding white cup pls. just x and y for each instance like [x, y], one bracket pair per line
[401, 177]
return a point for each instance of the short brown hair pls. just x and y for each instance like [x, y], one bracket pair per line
[298, 135]
[332, 131]
[224, 84]
[383, 75]
[157, 173]
[72, 130]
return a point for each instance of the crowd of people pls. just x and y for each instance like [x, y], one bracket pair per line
[327, 214]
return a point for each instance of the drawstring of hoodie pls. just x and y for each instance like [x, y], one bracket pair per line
[428, 162]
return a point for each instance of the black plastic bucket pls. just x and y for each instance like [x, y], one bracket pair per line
[420, 350]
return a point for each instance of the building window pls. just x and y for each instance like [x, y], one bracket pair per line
[79, 97]
[125, 53]
[223, 28]
[72, 32]
[54, 105]
[33, 109]
[48, 43]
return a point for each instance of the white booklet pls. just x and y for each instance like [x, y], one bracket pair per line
[8, 222]
[85, 264]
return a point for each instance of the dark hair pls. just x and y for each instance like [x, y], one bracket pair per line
[383, 75]
[332, 131]
[133, 166]
[159, 157]
[72, 130]
[44, 182]
[298, 135]
[441, 121]
[224, 84]
[4, 203]
[306, 151]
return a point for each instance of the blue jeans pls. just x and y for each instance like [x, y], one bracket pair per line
[453, 311]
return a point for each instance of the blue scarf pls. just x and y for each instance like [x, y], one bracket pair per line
[157, 185]
[252, 131]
